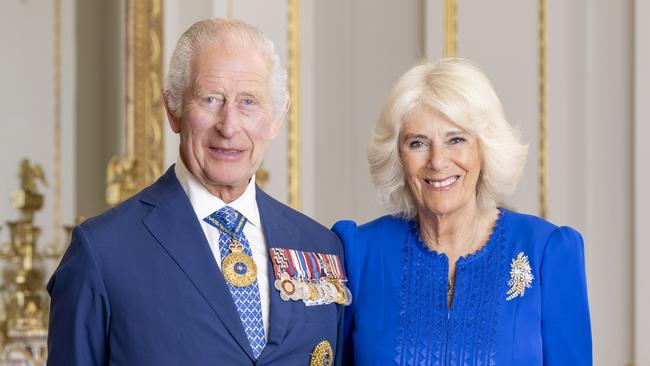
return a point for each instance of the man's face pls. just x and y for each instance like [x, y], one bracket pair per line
[227, 118]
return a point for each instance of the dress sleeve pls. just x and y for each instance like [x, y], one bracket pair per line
[79, 311]
[566, 329]
[347, 232]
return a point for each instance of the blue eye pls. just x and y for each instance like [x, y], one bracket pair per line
[457, 140]
[416, 144]
[210, 100]
[248, 101]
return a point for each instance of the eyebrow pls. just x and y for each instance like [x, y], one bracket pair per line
[448, 134]
[415, 136]
[455, 132]
[203, 90]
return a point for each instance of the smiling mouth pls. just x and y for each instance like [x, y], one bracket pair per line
[443, 183]
[226, 151]
[227, 154]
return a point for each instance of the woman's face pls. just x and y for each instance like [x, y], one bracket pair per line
[441, 162]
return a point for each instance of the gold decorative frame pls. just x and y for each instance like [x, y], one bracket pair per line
[450, 28]
[143, 162]
[294, 92]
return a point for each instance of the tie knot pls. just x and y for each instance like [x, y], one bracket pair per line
[230, 218]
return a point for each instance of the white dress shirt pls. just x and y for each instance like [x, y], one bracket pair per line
[205, 204]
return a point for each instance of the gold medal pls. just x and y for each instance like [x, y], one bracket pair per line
[322, 355]
[344, 296]
[238, 268]
[313, 292]
[340, 293]
[348, 296]
[288, 287]
[330, 292]
[303, 291]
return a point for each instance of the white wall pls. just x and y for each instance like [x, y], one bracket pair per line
[99, 98]
[27, 104]
[642, 182]
[360, 49]
[608, 175]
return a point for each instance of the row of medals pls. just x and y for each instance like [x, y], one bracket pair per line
[327, 290]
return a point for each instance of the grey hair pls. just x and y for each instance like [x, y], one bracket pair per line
[458, 89]
[226, 33]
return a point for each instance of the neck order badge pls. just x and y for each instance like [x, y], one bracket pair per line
[240, 272]
[238, 268]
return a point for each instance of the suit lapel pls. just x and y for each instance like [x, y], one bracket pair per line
[173, 223]
[278, 232]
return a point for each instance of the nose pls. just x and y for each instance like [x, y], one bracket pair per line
[438, 159]
[228, 125]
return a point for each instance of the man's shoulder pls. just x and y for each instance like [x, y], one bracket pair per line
[116, 218]
[132, 210]
[289, 213]
[309, 228]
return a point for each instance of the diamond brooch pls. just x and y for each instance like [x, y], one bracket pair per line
[520, 276]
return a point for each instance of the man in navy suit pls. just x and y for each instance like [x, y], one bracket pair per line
[181, 273]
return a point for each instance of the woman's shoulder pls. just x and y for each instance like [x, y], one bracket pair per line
[349, 230]
[358, 240]
[537, 229]
[528, 222]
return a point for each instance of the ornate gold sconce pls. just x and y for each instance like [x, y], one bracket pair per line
[24, 324]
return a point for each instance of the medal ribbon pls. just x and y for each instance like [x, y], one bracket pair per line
[280, 264]
[308, 266]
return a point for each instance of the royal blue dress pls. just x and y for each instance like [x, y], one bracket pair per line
[521, 300]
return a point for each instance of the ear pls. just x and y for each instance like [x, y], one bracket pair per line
[277, 121]
[174, 122]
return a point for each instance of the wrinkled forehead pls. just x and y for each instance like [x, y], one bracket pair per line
[455, 114]
[230, 64]
[236, 42]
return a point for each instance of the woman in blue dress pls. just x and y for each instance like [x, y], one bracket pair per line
[450, 277]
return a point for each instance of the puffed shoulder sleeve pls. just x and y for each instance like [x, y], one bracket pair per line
[566, 329]
[347, 232]
[79, 310]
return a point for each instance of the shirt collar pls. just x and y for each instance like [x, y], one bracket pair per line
[205, 203]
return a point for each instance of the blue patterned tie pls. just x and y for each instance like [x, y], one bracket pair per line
[247, 299]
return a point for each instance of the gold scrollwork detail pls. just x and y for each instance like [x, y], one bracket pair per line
[143, 162]
[450, 28]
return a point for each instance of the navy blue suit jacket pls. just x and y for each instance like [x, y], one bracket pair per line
[139, 286]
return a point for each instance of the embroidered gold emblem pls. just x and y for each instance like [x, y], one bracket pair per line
[520, 276]
[322, 355]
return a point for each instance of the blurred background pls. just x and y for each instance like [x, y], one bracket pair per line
[80, 85]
